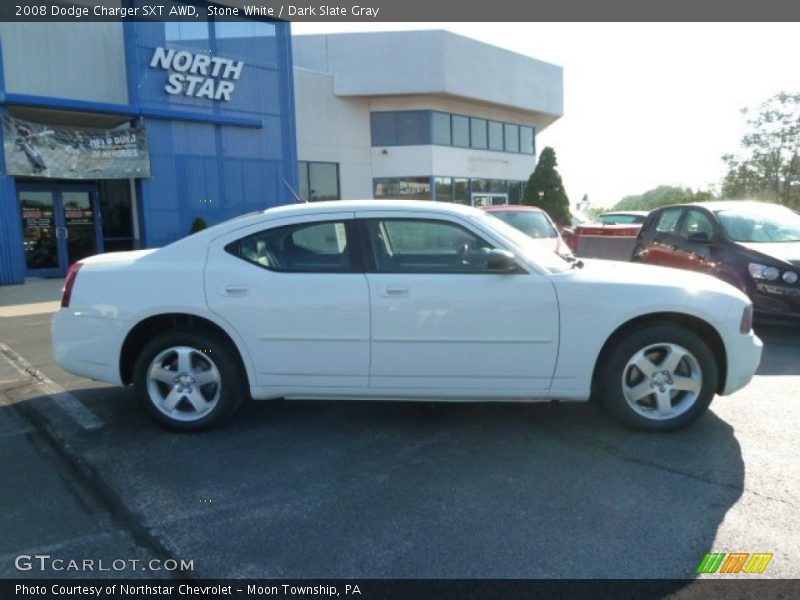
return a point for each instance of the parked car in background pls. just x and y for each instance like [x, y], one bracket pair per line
[754, 246]
[631, 217]
[397, 300]
[535, 223]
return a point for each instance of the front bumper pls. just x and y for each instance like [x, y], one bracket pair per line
[776, 301]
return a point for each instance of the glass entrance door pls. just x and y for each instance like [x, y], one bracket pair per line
[483, 199]
[60, 226]
[41, 236]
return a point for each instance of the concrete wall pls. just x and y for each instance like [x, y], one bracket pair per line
[334, 129]
[434, 62]
[81, 61]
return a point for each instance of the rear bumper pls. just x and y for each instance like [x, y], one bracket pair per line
[88, 346]
[744, 356]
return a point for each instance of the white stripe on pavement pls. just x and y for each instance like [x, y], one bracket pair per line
[73, 407]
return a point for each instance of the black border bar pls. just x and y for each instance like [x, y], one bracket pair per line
[417, 10]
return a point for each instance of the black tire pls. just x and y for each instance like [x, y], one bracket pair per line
[223, 398]
[660, 340]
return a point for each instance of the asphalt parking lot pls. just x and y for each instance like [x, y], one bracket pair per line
[401, 490]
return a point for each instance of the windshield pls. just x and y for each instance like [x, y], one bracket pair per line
[761, 223]
[534, 224]
[525, 244]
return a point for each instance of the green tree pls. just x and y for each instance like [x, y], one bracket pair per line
[546, 190]
[663, 195]
[769, 166]
[198, 224]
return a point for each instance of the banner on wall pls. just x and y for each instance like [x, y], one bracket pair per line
[35, 150]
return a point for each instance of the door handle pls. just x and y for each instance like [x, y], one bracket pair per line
[235, 289]
[395, 291]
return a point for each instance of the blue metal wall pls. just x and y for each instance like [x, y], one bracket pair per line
[209, 170]
[12, 254]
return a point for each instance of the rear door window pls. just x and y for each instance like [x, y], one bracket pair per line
[301, 248]
[668, 220]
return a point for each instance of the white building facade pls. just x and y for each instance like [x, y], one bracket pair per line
[418, 115]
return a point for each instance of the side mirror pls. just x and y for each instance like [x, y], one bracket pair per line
[501, 261]
[701, 237]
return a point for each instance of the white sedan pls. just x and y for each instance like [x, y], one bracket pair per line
[397, 300]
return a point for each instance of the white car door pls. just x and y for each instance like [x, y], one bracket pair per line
[442, 321]
[296, 294]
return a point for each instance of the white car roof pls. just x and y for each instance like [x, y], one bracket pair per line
[357, 205]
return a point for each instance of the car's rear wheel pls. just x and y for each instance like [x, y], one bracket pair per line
[188, 381]
[659, 378]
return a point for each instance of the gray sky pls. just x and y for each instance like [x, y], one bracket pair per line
[644, 103]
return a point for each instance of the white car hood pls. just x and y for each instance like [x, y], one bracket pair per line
[625, 273]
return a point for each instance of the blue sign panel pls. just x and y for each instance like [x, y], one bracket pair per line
[243, 158]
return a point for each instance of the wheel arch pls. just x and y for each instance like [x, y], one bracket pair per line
[707, 331]
[141, 333]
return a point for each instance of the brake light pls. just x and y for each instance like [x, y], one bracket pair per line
[66, 293]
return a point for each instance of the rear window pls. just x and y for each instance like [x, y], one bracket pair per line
[534, 224]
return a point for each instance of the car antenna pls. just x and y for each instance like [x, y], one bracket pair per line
[297, 198]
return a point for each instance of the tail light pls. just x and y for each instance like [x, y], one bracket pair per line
[66, 293]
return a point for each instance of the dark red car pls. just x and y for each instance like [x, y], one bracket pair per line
[535, 223]
[754, 246]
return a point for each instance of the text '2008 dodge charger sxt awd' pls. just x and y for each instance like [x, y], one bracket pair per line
[397, 300]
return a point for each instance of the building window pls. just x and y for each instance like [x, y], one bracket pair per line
[461, 191]
[526, 140]
[318, 181]
[512, 137]
[423, 127]
[441, 129]
[495, 136]
[478, 133]
[384, 128]
[515, 189]
[402, 188]
[403, 128]
[460, 131]
[443, 189]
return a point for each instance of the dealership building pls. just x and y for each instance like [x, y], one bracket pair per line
[120, 136]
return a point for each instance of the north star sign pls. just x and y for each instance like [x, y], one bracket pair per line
[198, 75]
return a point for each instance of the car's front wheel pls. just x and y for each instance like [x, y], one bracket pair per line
[188, 381]
[659, 378]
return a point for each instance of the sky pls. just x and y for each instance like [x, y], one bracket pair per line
[645, 104]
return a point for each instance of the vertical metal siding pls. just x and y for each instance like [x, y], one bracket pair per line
[215, 171]
[12, 252]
